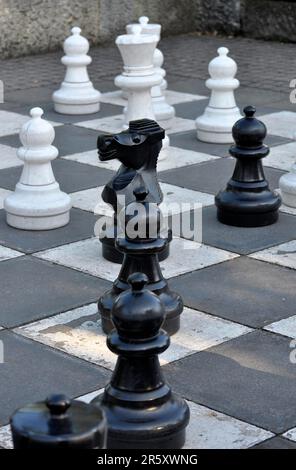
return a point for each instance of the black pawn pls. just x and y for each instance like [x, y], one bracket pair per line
[141, 255]
[141, 410]
[247, 200]
[59, 423]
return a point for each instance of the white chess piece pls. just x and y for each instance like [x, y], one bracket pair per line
[37, 202]
[138, 76]
[164, 113]
[215, 124]
[77, 94]
[287, 185]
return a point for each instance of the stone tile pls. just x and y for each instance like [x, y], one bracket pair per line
[26, 359]
[172, 97]
[212, 176]
[188, 141]
[209, 429]
[242, 290]
[7, 253]
[180, 124]
[281, 156]
[281, 123]
[6, 437]
[78, 333]
[81, 226]
[286, 327]
[82, 176]
[11, 122]
[69, 139]
[291, 434]
[276, 443]
[89, 200]
[243, 378]
[44, 289]
[113, 97]
[177, 158]
[283, 254]
[245, 240]
[3, 195]
[8, 157]
[287, 209]
[86, 256]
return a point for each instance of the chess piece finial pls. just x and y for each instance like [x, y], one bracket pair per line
[137, 149]
[215, 124]
[247, 200]
[142, 236]
[141, 409]
[287, 184]
[59, 423]
[76, 94]
[37, 202]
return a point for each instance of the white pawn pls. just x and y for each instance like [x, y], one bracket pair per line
[138, 76]
[287, 185]
[37, 203]
[77, 94]
[215, 124]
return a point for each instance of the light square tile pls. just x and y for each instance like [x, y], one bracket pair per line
[91, 158]
[3, 195]
[7, 253]
[281, 123]
[8, 157]
[291, 434]
[78, 333]
[285, 327]
[176, 97]
[86, 256]
[11, 123]
[283, 255]
[281, 156]
[113, 97]
[181, 125]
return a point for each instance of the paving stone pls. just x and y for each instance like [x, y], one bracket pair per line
[283, 254]
[276, 443]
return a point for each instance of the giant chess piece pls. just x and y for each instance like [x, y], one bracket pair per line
[141, 243]
[215, 124]
[164, 113]
[37, 202]
[142, 412]
[247, 200]
[137, 149]
[139, 77]
[287, 185]
[59, 423]
[77, 94]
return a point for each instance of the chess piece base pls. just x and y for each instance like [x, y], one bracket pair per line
[76, 99]
[215, 125]
[37, 208]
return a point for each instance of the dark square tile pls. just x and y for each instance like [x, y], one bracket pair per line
[196, 86]
[211, 176]
[243, 290]
[71, 176]
[32, 289]
[188, 141]
[69, 139]
[31, 372]
[81, 226]
[245, 240]
[249, 378]
[276, 443]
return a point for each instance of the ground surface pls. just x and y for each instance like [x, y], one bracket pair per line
[230, 359]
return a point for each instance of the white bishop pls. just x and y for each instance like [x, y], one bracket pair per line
[77, 94]
[215, 124]
[37, 203]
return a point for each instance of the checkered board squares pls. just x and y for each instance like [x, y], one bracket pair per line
[282, 123]
[8, 157]
[11, 122]
[78, 333]
[86, 256]
[285, 327]
[281, 156]
[3, 195]
[172, 97]
[7, 253]
[284, 254]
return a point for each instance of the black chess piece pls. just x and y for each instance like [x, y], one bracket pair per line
[141, 410]
[59, 423]
[141, 255]
[137, 149]
[247, 200]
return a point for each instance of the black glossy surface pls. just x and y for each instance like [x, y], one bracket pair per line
[142, 412]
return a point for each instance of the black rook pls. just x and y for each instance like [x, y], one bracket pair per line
[247, 200]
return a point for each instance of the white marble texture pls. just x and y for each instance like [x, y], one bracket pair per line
[11, 123]
[78, 333]
[177, 158]
[86, 256]
[283, 254]
[113, 124]
[8, 253]
[207, 429]
[8, 157]
[281, 123]
[281, 156]
[3, 194]
[285, 327]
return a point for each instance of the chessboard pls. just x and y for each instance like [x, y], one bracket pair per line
[231, 359]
